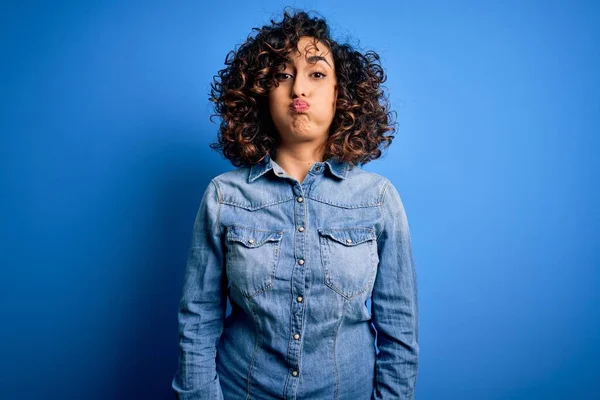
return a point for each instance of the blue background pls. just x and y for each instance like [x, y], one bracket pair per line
[104, 157]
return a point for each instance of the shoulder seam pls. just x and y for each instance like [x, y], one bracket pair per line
[384, 189]
[220, 201]
[218, 189]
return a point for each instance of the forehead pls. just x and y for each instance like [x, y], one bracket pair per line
[309, 46]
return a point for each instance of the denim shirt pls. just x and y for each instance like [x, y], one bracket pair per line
[298, 261]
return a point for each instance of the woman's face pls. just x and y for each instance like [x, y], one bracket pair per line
[303, 105]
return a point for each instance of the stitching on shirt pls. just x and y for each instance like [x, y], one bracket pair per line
[254, 352]
[253, 228]
[381, 197]
[219, 199]
[289, 352]
[384, 188]
[335, 366]
[291, 342]
[218, 188]
[351, 206]
[302, 325]
[251, 207]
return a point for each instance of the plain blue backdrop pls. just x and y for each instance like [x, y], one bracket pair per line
[104, 157]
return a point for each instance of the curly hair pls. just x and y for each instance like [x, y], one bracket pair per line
[362, 124]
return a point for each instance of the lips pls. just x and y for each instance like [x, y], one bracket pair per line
[299, 105]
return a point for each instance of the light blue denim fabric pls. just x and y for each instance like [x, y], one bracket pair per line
[298, 262]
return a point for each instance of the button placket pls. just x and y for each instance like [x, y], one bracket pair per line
[298, 281]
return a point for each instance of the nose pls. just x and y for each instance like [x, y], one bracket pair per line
[299, 87]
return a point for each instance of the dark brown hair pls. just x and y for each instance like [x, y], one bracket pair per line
[239, 92]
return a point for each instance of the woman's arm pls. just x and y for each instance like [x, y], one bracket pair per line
[202, 306]
[394, 304]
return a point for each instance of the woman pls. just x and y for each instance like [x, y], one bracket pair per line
[298, 236]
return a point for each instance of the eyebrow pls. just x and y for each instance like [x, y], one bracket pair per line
[318, 58]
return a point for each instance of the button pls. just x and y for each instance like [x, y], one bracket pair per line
[295, 373]
[250, 241]
[300, 199]
[301, 229]
[296, 336]
[299, 299]
[317, 168]
[348, 240]
[301, 261]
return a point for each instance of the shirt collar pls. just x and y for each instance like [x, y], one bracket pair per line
[337, 168]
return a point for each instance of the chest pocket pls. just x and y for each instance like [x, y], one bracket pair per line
[350, 259]
[251, 258]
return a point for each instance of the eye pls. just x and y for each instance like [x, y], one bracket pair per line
[281, 76]
[320, 73]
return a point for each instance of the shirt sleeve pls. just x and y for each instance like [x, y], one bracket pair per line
[202, 306]
[394, 304]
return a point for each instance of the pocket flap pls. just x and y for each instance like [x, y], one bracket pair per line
[349, 236]
[252, 237]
